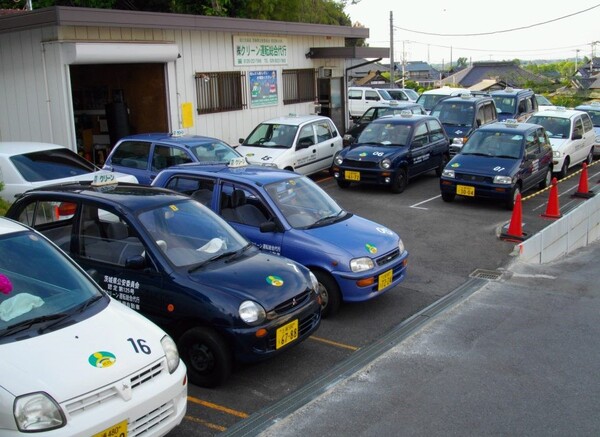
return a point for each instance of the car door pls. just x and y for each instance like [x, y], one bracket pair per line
[164, 156]
[305, 160]
[438, 144]
[131, 157]
[419, 155]
[328, 143]
[578, 147]
[530, 167]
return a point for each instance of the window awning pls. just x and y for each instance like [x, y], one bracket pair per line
[348, 52]
[118, 53]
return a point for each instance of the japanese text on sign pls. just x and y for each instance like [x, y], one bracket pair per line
[248, 50]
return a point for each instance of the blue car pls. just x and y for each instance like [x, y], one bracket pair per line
[499, 161]
[354, 259]
[391, 150]
[183, 267]
[145, 155]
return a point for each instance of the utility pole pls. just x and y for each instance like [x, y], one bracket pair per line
[29, 6]
[576, 59]
[403, 64]
[392, 50]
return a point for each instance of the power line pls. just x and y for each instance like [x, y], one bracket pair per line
[499, 31]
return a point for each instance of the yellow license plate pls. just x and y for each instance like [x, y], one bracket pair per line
[286, 334]
[118, 430]
[385, 279]
[352, 175]
[464, 190]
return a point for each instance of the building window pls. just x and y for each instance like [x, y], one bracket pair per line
[299, 85]
[220, 91]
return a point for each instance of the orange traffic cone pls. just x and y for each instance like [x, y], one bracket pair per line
[515, 227]
[582, 190]
[552, 209]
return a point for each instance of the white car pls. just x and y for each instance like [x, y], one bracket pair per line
[571, 134]
[75, 362]
[26, 165]
[431, 97]
[305, 144]
[593, 109]
[361, 98]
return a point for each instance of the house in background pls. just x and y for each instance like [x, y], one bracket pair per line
[587, 76]
[508, 73]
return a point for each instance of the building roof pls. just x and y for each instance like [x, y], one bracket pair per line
[507, 72]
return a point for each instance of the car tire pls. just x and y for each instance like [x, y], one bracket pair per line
[329, 291]
[207, 357]
[590, 158]
[510, 204]
[448, 197]
[547, 179]
[343, 184]
[442, 166]
[564, 169]
[400, 181]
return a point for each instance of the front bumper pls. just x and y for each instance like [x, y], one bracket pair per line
[481, 189]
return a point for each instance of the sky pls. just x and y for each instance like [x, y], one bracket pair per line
[551, 30]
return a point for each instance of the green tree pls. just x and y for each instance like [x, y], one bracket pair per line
[461, 63]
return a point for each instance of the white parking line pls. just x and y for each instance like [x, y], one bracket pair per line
[416, 205]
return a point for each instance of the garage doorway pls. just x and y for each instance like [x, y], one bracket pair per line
[114, 100]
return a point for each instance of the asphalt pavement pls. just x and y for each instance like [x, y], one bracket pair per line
[511, 352]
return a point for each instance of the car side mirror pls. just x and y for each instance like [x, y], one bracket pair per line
[241, 140]
[576, 136]
[135, 262]
[268, 227]
[478, 122]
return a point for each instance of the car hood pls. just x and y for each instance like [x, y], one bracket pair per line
[356, 236]
[372, 153]
[261, 155]
[483, 165]
[557, 143]
[265, 278]
[60, 362]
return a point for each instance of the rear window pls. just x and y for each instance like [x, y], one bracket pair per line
[51, 164]
[132, 154]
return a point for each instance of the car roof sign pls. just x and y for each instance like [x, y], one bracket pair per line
[103, 179]
[238, 162]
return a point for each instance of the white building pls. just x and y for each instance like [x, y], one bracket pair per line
[86, 77]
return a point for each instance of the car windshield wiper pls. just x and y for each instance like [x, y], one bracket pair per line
[89, 302]
[476, 154]
[507, 156]
[229, 255]
[327, 219]
[26, 324]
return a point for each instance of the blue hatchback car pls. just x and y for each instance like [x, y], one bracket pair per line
[354, 259]
[144, 155]
[183, 267]
[499, 161]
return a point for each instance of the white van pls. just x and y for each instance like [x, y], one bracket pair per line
[429, 98]
[76, 362]
[362, 98]
[305, 144]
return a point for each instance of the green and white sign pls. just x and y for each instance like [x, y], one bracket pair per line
[252, 50]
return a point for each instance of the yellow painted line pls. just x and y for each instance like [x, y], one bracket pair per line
[217, 407]
[205, 423]
[334, 343]
[537, 193]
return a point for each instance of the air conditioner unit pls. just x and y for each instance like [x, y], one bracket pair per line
[326, 72]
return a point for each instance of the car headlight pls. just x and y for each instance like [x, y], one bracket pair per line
[251, 312]
[361, 264]
[401, 246]
[503, 180]
[314, 282]
[339, 160]
[597, 139]
[459, 141]
[448, 173]
[556, 154]
[171, 353]
[385, 164]
[37, 412]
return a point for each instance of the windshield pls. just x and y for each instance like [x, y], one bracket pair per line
[455, 113]
[214, 152]
[272, 135]
[595, 116]
[188, 233]
[505, 104]
[39, 286]
[428, 101]
[386, 134]
[51, 164]
[542, 101]
[556, 127]
[496, 144]
[411, 93]
[303, 203]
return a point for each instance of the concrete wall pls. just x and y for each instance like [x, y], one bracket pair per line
[576, 229]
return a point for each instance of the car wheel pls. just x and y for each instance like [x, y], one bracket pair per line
[510, 204]
[342, 184]
[547, 180]
[564, 169]
[400, 181]
[448, 197]
[329, 291]
[442, 166]
[206, 355]
[590, 157]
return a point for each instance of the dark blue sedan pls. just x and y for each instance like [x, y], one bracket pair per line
[182, 266]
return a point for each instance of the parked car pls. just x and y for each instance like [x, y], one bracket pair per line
[144, 155]
[571, 134]
[462, 115]
[362, 98]
[543, 103]
[393, 149]
[403, 94]
[428, 99]
[354, 259]
[499, 161]
[182, 266]
[376, 111]
[26, 165]
[304, 144]
[593, 110]
[515, 103]
[74, 361]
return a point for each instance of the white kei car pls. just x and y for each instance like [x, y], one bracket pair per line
[25, 165]
[76, 362]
